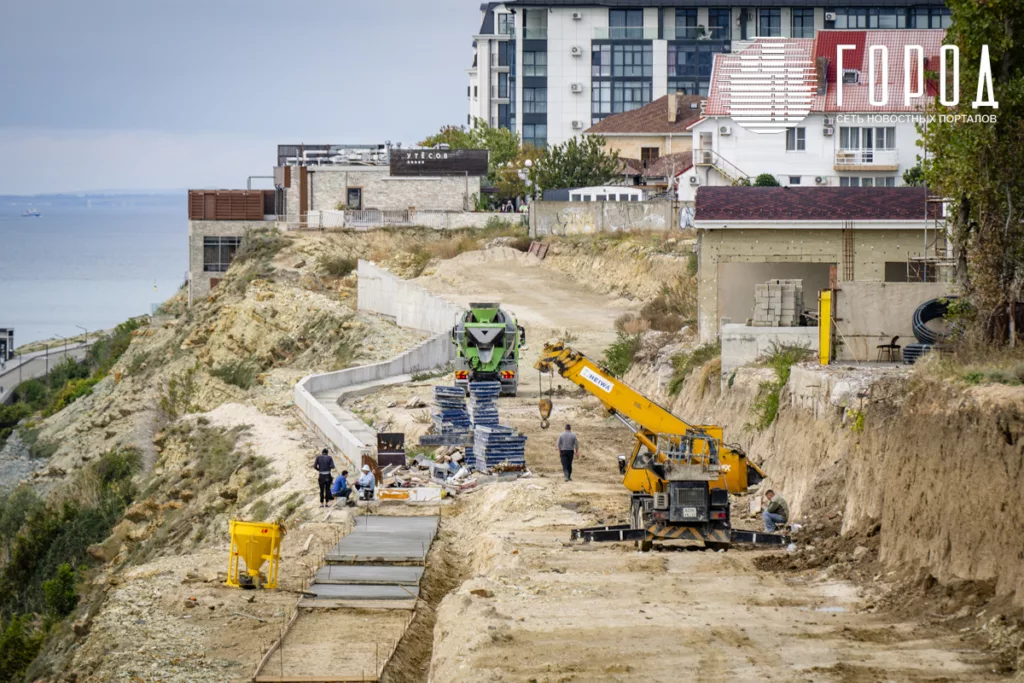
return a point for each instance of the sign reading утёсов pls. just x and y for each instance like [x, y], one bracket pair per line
[427, 162]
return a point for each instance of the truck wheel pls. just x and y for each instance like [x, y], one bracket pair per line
[713, 546]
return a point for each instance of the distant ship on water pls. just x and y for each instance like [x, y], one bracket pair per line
[31, 213]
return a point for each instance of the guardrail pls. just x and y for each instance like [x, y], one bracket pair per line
[625, 33]
[867, 157]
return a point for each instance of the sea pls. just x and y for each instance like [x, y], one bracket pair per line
[89, 261]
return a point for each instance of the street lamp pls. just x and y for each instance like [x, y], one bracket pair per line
[65, 343]
[85, 333]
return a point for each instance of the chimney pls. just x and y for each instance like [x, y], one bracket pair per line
[673, 107]
[821, 75]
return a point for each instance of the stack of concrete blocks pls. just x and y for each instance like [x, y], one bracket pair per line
[778, 303]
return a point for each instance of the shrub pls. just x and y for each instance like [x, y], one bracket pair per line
[674, 307]
[618, 357]
[177, 398]
[631, 323]
[10, 416]
[780, 358]
[240, 373]
[71, 392]
[215, 451]
[685, 363]
[260, 245]
[60, 592]
[20, 642]
[766, 180]
[105, 352]
[337, 266]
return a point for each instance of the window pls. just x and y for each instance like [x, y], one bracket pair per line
[601, 61]
[770, 22]
[630, 95]
[535, 63]
[219, 252]
[576, 197]
[872, 17]
[868, 181]
[475, 91]
[682, 60]
[603, 197]
[502, 85]
[649, 155]
[910, 271]
[535, 100]
[623, 197]
[535, 134]
[685, 87]
[469, 91]
[354, 198]
[803, 23]
[506, 53]
[719, 26]
[796, 139]
[794, 180]
[626, 24]
[867, 138]
[686, 24]
[506, 24]
[932, 17]
[632, 61]
[601, 98]
[851, 76]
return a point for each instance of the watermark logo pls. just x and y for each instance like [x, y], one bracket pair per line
[768, 87]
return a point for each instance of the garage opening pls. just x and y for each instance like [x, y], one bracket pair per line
[736, 284]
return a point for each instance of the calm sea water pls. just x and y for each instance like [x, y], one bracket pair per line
[92, 262]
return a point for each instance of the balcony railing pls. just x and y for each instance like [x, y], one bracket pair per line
[697, 33]
[708, 157]
[862, 159]
[625, 33]
[535, 33]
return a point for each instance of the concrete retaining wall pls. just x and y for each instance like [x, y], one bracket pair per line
[586, 218]
[742, 345]
[872, 313]
[411, 306]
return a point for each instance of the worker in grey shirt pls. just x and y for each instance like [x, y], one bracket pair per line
[568, 448]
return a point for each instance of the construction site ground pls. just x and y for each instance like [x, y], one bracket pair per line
[534, 607]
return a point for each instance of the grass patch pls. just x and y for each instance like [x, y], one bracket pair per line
[685, 363]
[214, 448]
[177, 397]
[336, 266]
[38, 449]
[674, 307]
[240, 373]
[259, 511]
[780, 358]
[619, 357]
[432, 374]
[260, 245]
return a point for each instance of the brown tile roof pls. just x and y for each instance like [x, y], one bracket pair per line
[810, 203]
[667, 166]
[652, 118]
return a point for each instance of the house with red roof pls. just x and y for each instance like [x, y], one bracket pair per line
[804, 112]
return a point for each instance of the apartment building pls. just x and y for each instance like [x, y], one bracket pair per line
[550, 70]
[847, 144]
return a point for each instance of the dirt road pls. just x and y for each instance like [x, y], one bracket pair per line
[538, 608]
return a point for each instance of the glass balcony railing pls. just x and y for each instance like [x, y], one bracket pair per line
[625, 33]
[535, 33]
[697, 33]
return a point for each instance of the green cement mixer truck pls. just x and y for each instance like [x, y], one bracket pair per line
[488, 338]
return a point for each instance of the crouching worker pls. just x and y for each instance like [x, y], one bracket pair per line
[777, 512]
[366, 484]
[340, 488]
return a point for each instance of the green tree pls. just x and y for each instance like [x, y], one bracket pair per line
[502, 144]
[577, 162]
[914, 176]
[979, 166]
[60, 592]
[766, 180]
[507, 179]
[456, 137]
[20, 642]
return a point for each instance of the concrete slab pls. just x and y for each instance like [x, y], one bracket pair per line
[368, 575]
[333, 591]
[377, 539]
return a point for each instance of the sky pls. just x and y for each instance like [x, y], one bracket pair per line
[171, 94]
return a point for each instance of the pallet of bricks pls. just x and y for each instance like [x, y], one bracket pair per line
[778, 303]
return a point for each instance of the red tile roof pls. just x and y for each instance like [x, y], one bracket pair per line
[652, 118]
[802, 54]
[810, 204]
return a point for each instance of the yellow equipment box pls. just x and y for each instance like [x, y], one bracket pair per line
[255, 543]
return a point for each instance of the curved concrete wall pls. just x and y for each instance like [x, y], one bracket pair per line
[411, 306]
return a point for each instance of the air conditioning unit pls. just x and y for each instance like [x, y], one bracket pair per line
[576, 51]
[577, 125]
[694, 180]
[661, 501]
[577, 16]
[821, 180]
[828, 131]
[830, 16]
[725, 130]
[828, 121]
[576, 87]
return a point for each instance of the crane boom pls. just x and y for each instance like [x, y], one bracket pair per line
[652, 419]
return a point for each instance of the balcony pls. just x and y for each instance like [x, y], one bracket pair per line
[867, 160]
[535, 33]
[625, 33]
[697, 33]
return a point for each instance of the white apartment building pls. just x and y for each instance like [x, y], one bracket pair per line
[849, 145]
[550, 70]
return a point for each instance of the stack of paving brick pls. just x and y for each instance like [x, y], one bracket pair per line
[499, 449]
[483, 403]
[778, 303]
[450, 414]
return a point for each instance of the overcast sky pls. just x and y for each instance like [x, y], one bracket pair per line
[152, 94]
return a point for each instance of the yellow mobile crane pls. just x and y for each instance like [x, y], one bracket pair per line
[680, 474]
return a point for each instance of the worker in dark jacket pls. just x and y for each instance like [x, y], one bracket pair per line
[777, 512]
[323, 464]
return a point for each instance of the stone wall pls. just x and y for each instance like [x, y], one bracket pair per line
[872, 313]
[199, 281]
[871, 250]
[586, 218]
[743, 345]
[328, 187]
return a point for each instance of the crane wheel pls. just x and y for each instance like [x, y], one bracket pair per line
[640, 522]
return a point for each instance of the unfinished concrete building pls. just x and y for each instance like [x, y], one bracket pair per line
[884, 249]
